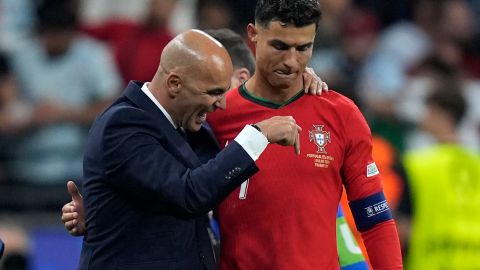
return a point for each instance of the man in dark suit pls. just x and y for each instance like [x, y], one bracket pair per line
[146, 189]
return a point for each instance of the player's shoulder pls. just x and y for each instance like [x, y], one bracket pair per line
[123, 111]
[335, 99]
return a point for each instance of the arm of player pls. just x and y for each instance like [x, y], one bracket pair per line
[379, 232]
[364, 190]
[381, 242]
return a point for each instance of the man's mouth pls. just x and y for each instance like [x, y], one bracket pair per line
[285, 74]
[202, 116]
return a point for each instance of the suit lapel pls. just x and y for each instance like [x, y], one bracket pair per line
[179, 146]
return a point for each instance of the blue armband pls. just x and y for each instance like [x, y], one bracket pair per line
[369, 211]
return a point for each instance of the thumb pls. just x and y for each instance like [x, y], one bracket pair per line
[296, 145]
[73, 191]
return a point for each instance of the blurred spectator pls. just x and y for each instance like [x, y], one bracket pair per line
[410, 105]
[67, 79]
[455, 42]
[15, 261]
[183, 16]
[444, 190]
[213, 14]
[242, 57]
[243, 14]
[341, 66]
[475, 6]
[333, 12]
[137, 45]
[16, 246]
[14, 114]
[99, 11]
[389, 12]
[400, 47]
[16, 21]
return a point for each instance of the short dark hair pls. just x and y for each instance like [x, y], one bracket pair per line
[241, 55]
[57, 15]
[449, 98]
[296, 12]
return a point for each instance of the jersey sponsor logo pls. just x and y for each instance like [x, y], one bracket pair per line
[377, 208]
[372, 169]
[320, 137]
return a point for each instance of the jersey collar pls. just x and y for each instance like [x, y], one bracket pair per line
[267, 103]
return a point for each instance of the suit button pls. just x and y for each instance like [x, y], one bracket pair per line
[228, 177]
[238, 169]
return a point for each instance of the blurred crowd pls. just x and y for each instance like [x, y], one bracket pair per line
[63, 61]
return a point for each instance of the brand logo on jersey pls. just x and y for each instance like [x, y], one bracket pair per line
[320, 137]
[372, 169]
[377, 208]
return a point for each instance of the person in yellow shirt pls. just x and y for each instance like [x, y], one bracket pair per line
[444, 190]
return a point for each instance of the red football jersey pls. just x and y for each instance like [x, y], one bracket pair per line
[284, 216]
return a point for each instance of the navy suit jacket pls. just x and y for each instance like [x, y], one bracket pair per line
[147, 190]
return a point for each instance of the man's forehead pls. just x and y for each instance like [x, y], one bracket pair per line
[287, 32]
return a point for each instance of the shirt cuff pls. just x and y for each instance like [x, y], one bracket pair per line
[252, 141]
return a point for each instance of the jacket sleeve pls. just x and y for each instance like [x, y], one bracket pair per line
[140, 164]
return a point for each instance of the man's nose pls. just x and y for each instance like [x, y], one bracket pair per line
[290, 59]
[221, 103]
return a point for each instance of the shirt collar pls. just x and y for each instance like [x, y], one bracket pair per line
[152, 97]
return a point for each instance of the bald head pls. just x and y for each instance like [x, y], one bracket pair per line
[194, 49]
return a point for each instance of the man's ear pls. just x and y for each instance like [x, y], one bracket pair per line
[252, 33]
[242, 75]
[173, 84]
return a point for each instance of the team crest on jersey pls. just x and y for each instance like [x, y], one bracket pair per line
[320, 137]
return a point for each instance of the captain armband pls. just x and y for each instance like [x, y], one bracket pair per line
[370, 211]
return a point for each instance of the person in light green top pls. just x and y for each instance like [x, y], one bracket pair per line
[444, 183]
